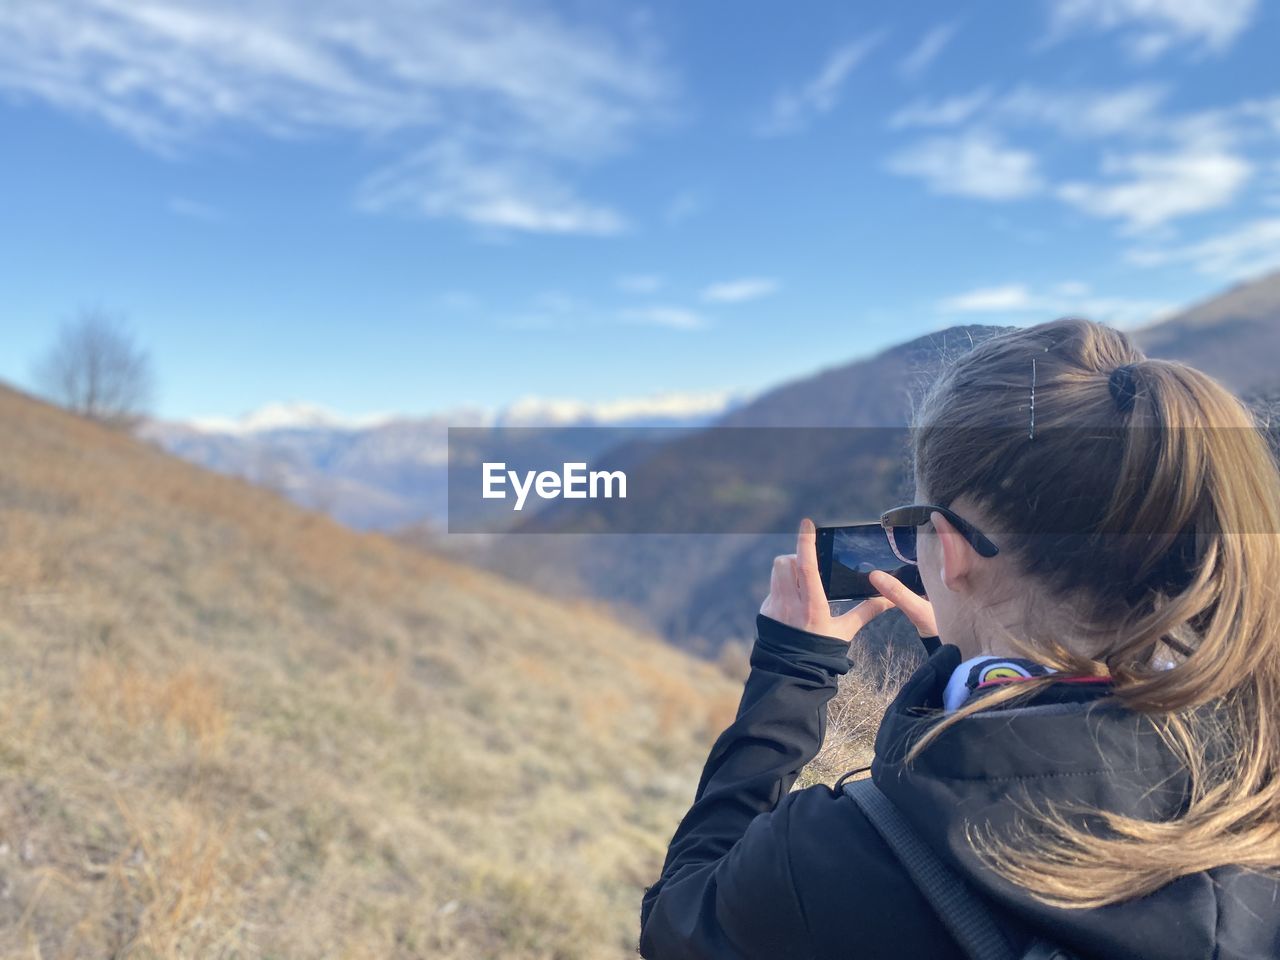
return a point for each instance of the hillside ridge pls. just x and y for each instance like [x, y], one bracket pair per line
[234, 728]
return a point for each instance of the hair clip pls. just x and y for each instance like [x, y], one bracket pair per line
[1031, 435]
[1124, 387]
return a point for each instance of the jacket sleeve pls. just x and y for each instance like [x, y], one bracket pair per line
[726, 888]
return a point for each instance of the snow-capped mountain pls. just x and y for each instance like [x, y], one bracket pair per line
[387, 471]
[287, 416]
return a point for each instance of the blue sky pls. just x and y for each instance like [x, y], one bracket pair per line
[379, 205]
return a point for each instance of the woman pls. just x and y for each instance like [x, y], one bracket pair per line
[1119, 793]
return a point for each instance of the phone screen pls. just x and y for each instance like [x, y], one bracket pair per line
[847, 554]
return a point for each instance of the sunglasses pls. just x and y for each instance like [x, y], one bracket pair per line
[900, 525]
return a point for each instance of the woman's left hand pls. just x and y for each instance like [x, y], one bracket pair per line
[797, 599]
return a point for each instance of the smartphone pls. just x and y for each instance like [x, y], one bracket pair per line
[847, 554]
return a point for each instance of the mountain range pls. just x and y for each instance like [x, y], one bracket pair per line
[391, 475]
[389, 472]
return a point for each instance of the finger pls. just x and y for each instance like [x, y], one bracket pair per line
[782, 580]
[809, 579]
[862, 614]
[916, 608]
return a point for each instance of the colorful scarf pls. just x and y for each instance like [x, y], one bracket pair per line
[985, 670]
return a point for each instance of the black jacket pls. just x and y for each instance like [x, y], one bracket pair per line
[756, 871]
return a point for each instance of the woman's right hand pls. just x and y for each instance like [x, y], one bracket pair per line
[797, 599]
[916, 608]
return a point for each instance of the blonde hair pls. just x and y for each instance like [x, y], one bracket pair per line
[1151, 501]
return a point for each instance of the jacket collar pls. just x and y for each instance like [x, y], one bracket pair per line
[1075, 755]
[1068, 734]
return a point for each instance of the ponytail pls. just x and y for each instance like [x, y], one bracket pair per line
[1162, 503]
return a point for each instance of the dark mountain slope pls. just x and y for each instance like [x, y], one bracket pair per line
[1234, 336]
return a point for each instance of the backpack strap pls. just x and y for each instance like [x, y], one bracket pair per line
[1043, 950]
[967, 918]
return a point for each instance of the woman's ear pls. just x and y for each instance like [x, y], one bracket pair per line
[957, 556]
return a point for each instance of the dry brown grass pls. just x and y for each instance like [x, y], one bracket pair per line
[853, 715]
[186, 703]
[229, 728]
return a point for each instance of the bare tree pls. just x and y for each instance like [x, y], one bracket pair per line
[96, 369]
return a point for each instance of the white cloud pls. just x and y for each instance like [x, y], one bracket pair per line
[1153, 26]
[446, 180]
[989, 300]
[1071, 288]
[1247, 251]
[1129, 111]
[558, 310]
[167, 70]
[927, 50]
[1265, 111]
[974, 164]
[1153, 188]
[640, 283]
[1132, 113]
[1165, 166]
[1170, 165]
[1085, 113]
[677, 318]
[740, 290]
[1062, 299]
[792, 110]
[521, 88]
[948, 112]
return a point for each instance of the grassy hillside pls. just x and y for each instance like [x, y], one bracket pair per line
[229, 728]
